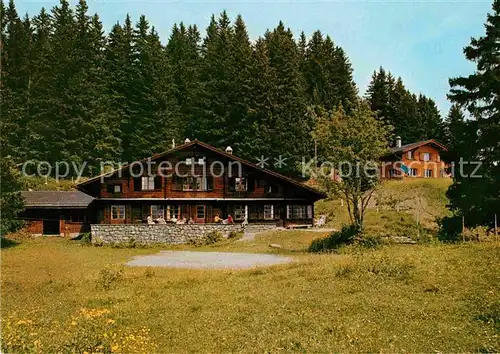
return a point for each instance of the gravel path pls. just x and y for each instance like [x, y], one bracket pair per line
[211, 260]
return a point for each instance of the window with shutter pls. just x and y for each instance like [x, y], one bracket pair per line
[288, 211]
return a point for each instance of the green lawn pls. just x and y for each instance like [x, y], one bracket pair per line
[59, 296]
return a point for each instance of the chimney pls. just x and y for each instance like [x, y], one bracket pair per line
[229, 150]
[187, 141]
[398, 141]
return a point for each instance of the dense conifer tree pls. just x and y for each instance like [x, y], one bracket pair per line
[478, 198]
[413, 117]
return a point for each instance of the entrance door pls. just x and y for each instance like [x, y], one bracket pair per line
[200, 214]
[51, 227]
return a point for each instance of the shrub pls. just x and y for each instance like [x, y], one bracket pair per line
[6, 243]
[234, 234]
[479, 233]
[369, 240]
[335, 240]
[109, 275]
[86, 239]
[450, 228]
[213, 237]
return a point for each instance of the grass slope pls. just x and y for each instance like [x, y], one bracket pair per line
[396, 207]
[58, 296]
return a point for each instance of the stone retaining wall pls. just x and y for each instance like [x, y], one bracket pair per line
[165, 233]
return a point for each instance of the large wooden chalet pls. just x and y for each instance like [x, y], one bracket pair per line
[192, 181]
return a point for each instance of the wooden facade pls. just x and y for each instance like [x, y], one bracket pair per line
[416, 160]
[58, 213]
[197, 182]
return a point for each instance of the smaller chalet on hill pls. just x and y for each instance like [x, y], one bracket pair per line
[420, 159]
[194, 182]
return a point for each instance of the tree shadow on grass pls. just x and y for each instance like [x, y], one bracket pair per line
[6, 243]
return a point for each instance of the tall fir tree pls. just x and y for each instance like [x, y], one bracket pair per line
[413, 117]
[16, 81]
[454, 129]
[216, 78]
[288, 125]
[478, 199]
[328, 74]
[183, 51]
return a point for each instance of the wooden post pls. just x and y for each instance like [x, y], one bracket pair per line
[418, 226]
[496, 231]
[463, 228]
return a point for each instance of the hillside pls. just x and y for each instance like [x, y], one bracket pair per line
[396, 208]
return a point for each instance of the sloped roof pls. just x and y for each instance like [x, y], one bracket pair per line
[56, 199]
[218, 151]
[412, 146]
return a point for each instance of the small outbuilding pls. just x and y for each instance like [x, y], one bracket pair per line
[59, 213]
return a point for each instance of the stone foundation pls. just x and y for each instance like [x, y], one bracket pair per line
[165, 233]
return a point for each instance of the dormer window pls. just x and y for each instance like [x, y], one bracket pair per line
[427, 156]
[410, 155]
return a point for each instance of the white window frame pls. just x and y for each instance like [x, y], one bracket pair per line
[413, 172]
[155, 214]
[427, 156]
[119, 210]
[288, 211]
[268, 212]
[239, 212]
[148, 183]
[428, 173]
[410, 155]
[309, 211]
[117, 188]
[299, 212]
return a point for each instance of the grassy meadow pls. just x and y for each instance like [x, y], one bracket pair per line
[60, 296]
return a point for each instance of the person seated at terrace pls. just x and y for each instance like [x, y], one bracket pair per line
[150, 220]
[161, 220]
[190, 221]
[230, 219]
[173, 219]
[181, 221]
[217, 218]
